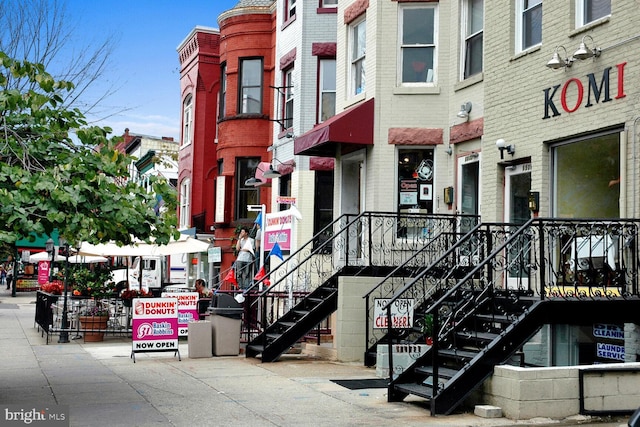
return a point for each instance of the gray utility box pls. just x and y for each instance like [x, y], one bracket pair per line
[199, 339]
[225, 316]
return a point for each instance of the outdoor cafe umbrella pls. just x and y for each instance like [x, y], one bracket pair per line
[183, 245]
[73, 259]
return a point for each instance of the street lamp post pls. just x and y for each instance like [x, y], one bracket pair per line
[64, 333]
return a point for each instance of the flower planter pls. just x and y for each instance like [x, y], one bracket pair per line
[93, 323]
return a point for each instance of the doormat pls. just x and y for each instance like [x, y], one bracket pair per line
[363, 383]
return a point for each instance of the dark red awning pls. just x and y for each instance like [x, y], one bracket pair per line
[349, 130]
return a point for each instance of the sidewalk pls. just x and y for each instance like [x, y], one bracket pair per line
[102, 386]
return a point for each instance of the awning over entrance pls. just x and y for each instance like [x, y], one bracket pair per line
[350, 130]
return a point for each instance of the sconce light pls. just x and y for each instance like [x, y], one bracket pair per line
[449, 150]
[253, 182]
[502, 146]
[557, 62]
[275, 173]
[272, 173]
[465, 109]
[584, 52]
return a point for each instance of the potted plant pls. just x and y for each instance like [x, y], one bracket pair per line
[93, 320]
[129, 294]
[427, 328]
[95, 282]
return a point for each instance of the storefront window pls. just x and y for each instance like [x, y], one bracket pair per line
[415, 185]
[587, 175]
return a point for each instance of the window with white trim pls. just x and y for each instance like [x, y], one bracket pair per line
[223, 90]
[288, 98]
[329, 3]
[528, 24]
[591, 10]
[289, 7]
[187, 120]
[250, 86]
[246, 195]
[473, 27]
[358, 39]
[185, 203]
[418, 33]
[327, 89]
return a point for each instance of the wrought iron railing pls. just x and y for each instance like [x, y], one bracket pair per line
[358, 242]
[446, 253]
[572, 259]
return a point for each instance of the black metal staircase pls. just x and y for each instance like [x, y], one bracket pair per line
[545, 272]
[365, 244]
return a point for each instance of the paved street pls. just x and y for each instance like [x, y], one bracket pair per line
[103, 387]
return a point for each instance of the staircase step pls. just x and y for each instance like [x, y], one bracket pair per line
[496, 318]
[316, 300]
[477, 336]
[442, 372]
[287, 324]
[415, 389]
[459, 354]
[301, 313]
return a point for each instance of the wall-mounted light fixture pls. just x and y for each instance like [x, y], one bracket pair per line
[585, 52]
[556, 60]
[253, 181]
[275, 173]
[449, 150]
[272, 173]
[465, 109]
[503, 146]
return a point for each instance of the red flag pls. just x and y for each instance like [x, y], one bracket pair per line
[260, 275]
[231, 277]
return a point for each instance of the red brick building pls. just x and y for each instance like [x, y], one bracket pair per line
[225, 80]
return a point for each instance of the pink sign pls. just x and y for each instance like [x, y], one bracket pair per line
[187, 309]
[43, 272]
[283, 237]
[155, 324]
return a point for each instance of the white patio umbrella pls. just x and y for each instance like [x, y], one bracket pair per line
[183, 245]
[74, 259]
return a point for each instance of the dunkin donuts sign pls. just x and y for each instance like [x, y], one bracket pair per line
[155, 324]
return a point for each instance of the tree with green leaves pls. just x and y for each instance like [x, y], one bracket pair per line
[57, 173]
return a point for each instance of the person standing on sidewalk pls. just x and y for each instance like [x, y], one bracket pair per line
[9, 266]
[244, 261]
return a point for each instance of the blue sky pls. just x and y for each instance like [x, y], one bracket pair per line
[145, 67]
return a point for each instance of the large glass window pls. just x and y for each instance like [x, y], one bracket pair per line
[288, 98]
[358, 53]
[473, 37]
[418, 43]
[246, 195]
[528, 24]
[591, 10]
[187, 120]
[327, 87]
[251, 86]
[587, 178]
[185, 204]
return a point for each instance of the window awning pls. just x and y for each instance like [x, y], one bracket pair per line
[349, 130]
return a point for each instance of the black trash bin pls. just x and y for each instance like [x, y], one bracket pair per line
[225, 315]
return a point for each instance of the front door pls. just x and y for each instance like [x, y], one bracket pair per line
[352, 203]
[517, 188]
